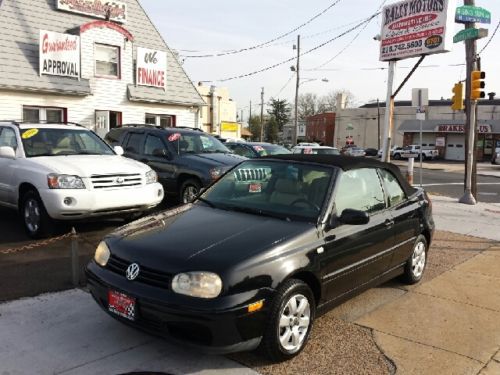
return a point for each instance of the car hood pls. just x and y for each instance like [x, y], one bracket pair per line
[215, 159]
[87, 165]
[197, 237]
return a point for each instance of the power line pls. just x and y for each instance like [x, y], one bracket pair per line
[349, 44]
[284, 86]
[269, 41]
[491, 38]
[302, 54]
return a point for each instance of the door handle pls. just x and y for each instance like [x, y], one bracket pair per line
[389, 223]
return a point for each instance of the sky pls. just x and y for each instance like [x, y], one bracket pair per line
[349, 62]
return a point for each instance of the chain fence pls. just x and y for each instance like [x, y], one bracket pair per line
[37, 244]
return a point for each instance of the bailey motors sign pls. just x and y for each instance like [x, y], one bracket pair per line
[416, 27]
[112, 10]
[59, 54]
[151, 67]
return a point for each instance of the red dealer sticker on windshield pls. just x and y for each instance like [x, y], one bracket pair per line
[258, 148]
[254, 188]
[174, 137]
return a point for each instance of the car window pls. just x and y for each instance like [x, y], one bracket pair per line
[134, 143]
[394, 191]
[8, 138]
[281, 189]
[359, 189]
[154, 146]
[242, 150]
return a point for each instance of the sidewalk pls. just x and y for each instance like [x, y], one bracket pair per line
[450, 324]
[483, 168]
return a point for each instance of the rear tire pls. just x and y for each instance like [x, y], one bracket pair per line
[396, 156]
[290, 321]
[36, 221]
[189, 190]
[415, 265]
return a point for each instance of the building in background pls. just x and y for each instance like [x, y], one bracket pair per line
[320, 128]
[218, 116]
[95, 63]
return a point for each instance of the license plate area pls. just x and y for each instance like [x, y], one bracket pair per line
[121, 304]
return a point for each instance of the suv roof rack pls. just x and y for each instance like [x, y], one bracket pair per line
[20, 122]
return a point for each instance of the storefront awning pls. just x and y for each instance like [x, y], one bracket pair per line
[157, 95]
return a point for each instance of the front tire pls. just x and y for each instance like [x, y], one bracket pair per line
[189, 190]
[36, 220]
[291, 320]
[415, 265]
[396, 156]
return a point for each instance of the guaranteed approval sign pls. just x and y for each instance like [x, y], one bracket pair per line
[59, 54]
[416, 27]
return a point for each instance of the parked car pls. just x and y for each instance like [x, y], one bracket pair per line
[185, 159]
[256, 149]
[354, 151]
[319, 150]
[495, 157]
[415, 150]
[371, 151]
[66, 172]
[393, 148]
[279, 241]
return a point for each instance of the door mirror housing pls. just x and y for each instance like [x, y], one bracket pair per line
[7, 152]
[118, 150]
[354, 217]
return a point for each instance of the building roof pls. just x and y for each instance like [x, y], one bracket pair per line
[429, 126]
[21, 21]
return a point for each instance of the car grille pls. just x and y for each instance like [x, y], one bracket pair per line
[115, 181]
[146, 275]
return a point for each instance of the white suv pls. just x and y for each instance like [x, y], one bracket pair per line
[65, 172]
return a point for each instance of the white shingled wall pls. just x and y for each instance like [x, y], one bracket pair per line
[107, 94]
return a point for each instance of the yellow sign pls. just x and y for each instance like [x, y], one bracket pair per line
[229, 126]
[29, 133]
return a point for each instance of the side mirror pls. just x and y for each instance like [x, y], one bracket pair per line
[118, 150]
[7, 152]
[354, 217]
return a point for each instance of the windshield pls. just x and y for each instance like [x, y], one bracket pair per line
[264, 150]
[194, 143]
[281, 189]
[59, 141]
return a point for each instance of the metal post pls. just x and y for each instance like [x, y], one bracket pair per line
[386, 154]
[296, 119]
[470, 114]
[421, 151]
[378, 124]
[409, 171]
[262, 115]
[75, 268]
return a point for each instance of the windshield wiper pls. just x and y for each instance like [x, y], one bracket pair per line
[256, 211]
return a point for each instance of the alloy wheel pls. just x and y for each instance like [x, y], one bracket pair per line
[418, 259]
[190, 192]
[32, 216]
[295, 319]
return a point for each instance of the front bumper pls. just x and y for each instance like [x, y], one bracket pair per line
[92, 203]
[215, 327]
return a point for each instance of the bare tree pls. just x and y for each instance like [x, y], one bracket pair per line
[328, 103]
[307, 105]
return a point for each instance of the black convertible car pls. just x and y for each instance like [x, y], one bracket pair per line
[264, 251]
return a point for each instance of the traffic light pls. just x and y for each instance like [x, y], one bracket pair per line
[458, 97]
[477, 84]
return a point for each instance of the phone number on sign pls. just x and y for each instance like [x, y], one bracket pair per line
[402, 46]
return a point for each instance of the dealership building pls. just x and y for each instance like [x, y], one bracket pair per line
[97, 63]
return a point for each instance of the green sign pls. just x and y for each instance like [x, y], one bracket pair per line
[466, 34]
[469, 13]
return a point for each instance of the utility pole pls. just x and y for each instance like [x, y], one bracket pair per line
[378, 124]
[389, 108]
[470, 115]
[262, 115]
[297, 70]
[250, 113]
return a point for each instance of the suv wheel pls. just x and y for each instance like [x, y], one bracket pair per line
[37, 222]
[189, 190]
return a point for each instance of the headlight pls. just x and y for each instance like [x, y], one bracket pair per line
[197, 284]
[151, 177]
[215, 173]
[102, 254]
[64, 181]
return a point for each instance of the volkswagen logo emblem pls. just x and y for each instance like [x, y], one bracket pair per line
[120, 180]
[132, 271]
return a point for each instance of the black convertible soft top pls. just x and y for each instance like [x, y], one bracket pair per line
[347, 163]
